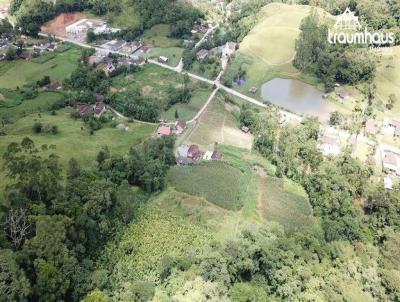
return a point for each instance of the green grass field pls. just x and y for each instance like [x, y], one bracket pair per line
[74, 139]
[14, 106]
[287, 203]
[388, 78]
[174, 54]
[17, 73]
[154, 81]
[215, 181]
[158, 36]
[269, 48]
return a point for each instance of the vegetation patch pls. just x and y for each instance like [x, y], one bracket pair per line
[217, 182]
[287, 203]
[17, 73]
[146, 242]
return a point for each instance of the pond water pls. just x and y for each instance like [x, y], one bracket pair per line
[295, 96]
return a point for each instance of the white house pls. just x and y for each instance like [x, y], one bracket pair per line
[329, 146]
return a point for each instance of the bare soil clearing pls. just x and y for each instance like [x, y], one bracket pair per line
[57, 25]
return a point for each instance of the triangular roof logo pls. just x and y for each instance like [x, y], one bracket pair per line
[347, 20]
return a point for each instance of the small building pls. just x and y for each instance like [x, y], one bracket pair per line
[202, 54]
[329, 146]
[182, 151]
[54, 86]
[146, 48]
[194, 153]
[390, 162]
[217, 51]
[245, 129]
[208, 155]
[99, 109]
[110, 68]
[138, 61]
[84, 109]
[388, 183]
[396, 127]
[164, 131]
[216, 155]
[253, 90]
[162, 59]
[114, 45]
[180, 126]
[230, 48]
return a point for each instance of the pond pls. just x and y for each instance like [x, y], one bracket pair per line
[295, 96]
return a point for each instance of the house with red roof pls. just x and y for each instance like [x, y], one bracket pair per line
[164, 130]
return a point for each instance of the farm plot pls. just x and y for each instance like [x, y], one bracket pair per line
[218, 124]
[217, 182]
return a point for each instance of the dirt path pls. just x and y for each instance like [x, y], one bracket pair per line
[261, 191]
[261, 199]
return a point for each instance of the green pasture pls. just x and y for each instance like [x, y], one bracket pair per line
[387, 78]
[159, 36]
[218, 125]
[17, 73]
[13, 106]
[174, 54]
[287, 203]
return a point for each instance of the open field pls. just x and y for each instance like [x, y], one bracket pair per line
[215, 181]
[17, 108]
[269, 48]
[159, 36]
[217, 124]
[173, 54]
[188, 111]
[73, 139]
[287, 203]
[17, 73]
[388, 78]
[154, 81]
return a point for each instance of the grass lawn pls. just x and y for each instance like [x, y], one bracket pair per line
[17, 73]
[287, 203]
[189, 110]
[219, 125]
[217, 182]
[42, 102]
[72, 141]
[174, 54]
[269, 48]
[158, 36]
[388, 78]
[154, 81]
